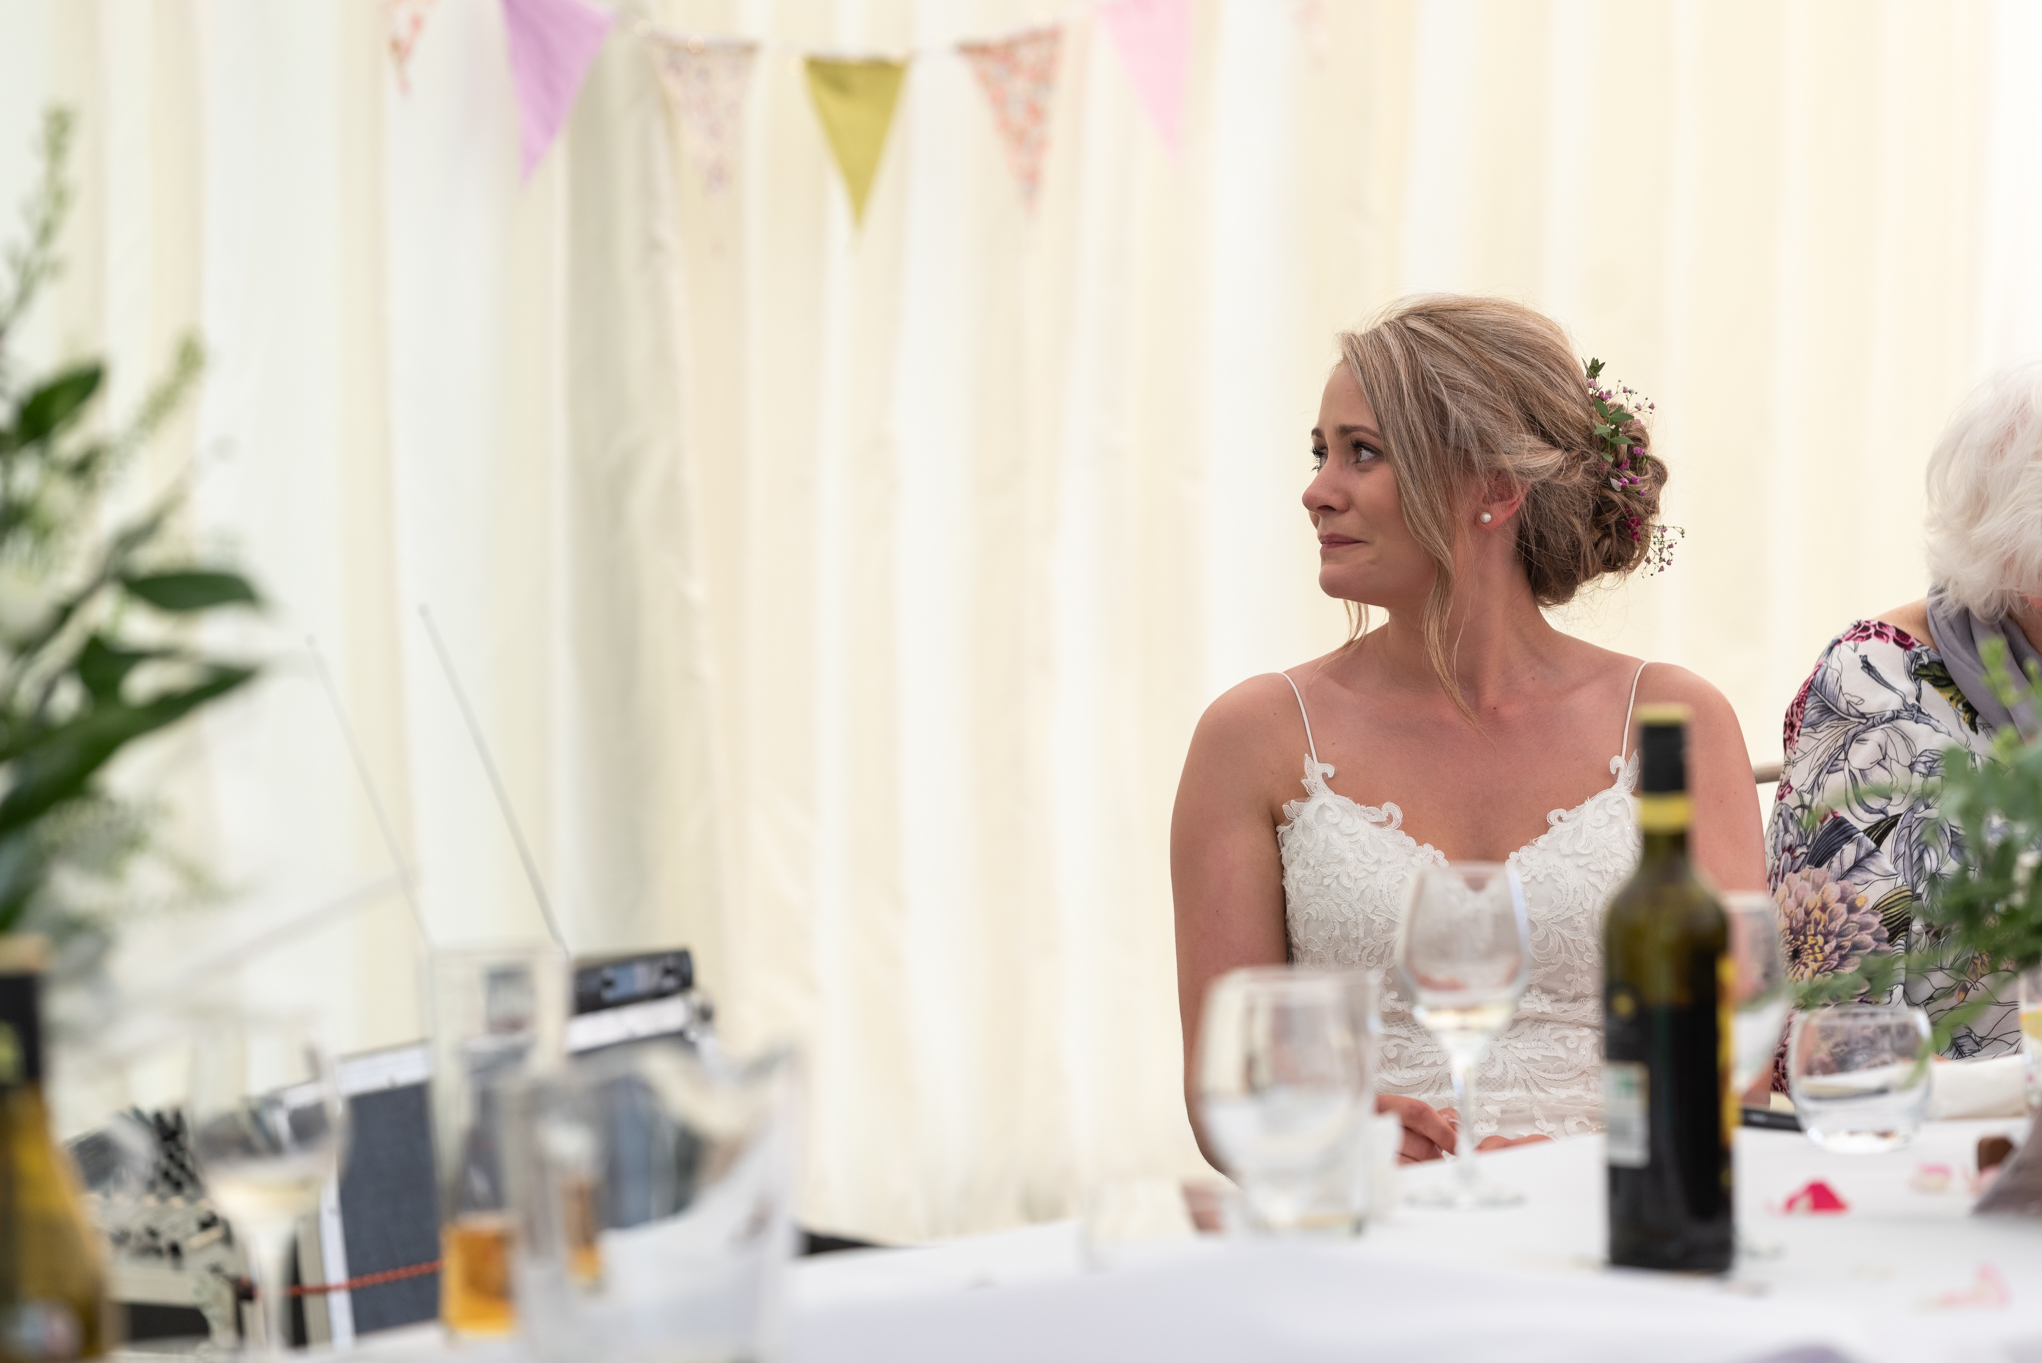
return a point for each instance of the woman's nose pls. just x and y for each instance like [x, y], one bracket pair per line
[1321, 495]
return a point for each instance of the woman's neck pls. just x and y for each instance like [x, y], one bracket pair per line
[1495, 638]
[2028, 616]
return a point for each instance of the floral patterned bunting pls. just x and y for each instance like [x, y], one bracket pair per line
[1018, 75]
[407, 20]
[707, 81]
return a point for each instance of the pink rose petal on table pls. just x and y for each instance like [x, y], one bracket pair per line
[1816, 1198]
[1932, 1178]
[1988, 1289]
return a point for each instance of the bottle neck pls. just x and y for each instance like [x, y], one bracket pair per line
[21, 1042]
[1663, 818]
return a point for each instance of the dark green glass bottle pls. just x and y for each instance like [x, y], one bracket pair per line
[1666, 1034]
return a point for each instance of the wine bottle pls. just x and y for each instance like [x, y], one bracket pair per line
[1667, 1105]
[52, 1285]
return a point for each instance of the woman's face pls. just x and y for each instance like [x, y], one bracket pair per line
[1366, 553]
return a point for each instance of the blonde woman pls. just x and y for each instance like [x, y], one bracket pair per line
[1460, 488]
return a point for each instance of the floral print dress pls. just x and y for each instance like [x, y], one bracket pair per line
[1851, 852]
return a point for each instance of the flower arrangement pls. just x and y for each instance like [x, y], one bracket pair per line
[97, 645]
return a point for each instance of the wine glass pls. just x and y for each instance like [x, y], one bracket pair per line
[1282, 1090]
[1759, 993]
[267, 1126]
[1760, 1000]
[1464, 950]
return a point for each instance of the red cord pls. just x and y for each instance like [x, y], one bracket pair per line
[388, 1275]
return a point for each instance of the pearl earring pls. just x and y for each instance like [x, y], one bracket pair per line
[1485, 518]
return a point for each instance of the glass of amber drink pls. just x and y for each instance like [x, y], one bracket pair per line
[499, 1016]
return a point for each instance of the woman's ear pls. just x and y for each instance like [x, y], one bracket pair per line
[1497, 500]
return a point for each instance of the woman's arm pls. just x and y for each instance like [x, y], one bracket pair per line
[1225, 873]
[1727, 840]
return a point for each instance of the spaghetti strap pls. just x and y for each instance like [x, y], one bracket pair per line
[1624, 744]
[1308, 719]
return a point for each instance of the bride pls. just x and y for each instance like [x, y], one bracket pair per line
[1459, 485]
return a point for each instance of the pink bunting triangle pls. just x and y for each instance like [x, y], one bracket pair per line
[407, 20]
[1154, 40]
[706, 82]
[552, 43]
[1018, 75]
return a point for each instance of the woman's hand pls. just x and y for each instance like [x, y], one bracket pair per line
[1505, 1142]
[1428, 1133]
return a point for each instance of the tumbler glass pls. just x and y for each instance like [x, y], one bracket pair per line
[1284, 1093]
[654, 1189]
[1860, 1075]
[499, 1014]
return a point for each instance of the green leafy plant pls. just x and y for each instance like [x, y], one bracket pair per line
[1988, 910]
[98, 613]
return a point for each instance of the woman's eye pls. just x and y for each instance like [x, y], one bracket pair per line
[1318, 456]
[1364, 452]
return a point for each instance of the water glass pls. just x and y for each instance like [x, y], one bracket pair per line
[2031, 1036]
[1464, 951]
[267, 1125]
[654, 1193]
[1285, 1084]
[1860, 1075]
[499, 1014]
[1759, 993]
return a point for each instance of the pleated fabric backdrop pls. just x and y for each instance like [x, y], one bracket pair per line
[839, 599]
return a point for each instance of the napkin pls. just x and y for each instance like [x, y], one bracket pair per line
[1976, 1088]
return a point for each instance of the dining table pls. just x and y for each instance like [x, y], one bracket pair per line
[1884, 1263]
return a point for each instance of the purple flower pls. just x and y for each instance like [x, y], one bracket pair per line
[1825, 924]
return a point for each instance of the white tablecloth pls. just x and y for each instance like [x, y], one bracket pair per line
[1903, 1275]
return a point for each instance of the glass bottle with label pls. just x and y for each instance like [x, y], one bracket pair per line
[1667, 1036]
[52, 1285]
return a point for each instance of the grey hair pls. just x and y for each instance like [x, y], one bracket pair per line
[1985, 496]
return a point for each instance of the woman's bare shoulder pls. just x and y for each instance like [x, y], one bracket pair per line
[1912, 618]
[1252, 713]
[1663, 683]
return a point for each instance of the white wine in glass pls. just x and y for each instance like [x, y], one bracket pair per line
[267, 1125]
[1464, 952]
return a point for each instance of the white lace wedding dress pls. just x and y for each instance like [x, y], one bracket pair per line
[1345, 870]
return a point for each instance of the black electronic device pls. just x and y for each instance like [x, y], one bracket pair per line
[614, 981]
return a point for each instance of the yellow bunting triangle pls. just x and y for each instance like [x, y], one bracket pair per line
[855, 102]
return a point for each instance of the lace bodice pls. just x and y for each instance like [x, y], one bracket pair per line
[1345, 870]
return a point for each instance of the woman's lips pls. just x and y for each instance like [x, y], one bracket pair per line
[1335, 541]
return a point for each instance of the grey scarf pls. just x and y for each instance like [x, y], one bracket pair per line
[1959, 637]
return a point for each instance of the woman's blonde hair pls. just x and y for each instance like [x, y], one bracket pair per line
[1468, 390]
[1985, 496]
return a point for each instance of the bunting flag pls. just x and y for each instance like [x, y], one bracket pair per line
[1310, 18]
[552, 43]
[1018, 75]
[407, 20]
[706, 82]
[855, 101]
[1154, 40]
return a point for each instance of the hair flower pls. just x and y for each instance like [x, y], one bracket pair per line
[1617, 425]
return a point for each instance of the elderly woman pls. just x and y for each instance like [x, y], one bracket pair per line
[1851, 851]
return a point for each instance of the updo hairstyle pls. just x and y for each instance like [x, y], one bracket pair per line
[1467, 389]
